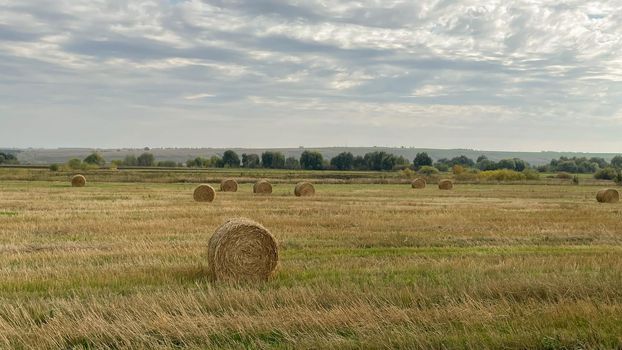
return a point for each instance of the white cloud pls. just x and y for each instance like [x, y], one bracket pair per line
[358, 65]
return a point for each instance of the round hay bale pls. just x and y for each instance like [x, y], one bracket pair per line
[204, 193]
[262, 187]
[418, 183]
[229, 185]
[608, 195]
[445, 185]
[242, 250]
[78, 181]
[304, 189]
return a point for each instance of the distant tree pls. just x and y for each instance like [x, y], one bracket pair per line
[54, 167]
[145, 159]
[486, 164]
[568, 166]
[292, 163]
[311, 160]
[251, 161]
[442, 164]
[74, 164]
[608, 173]
[422, 159]
[8, 158]
[130, 160]
[215, 162]
[273, 160]
[602, 163]
[519, 164]
[506, 164]
[380, 160]
[462, 160]
[95, 159]
[230, 159]
[359, 163]
[616, 162]
[481, 159]
[343, 161]
[197, 162]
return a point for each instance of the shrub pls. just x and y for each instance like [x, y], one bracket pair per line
[531, 174]
[54, 167]
[74, 164]
[95, 159]
[457, 169]
[608, 173]
[467, 175]
[428, 170]
[502, 175]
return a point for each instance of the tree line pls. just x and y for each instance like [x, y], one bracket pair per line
[377, 161]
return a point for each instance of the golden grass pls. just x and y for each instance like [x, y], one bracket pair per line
[482, 266]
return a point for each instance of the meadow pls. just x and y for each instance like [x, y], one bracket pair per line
[121, 264]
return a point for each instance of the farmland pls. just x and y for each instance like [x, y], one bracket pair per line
[122, 263]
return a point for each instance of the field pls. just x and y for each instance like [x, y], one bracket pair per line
[123, 264]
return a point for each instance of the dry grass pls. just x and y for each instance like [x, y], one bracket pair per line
[482, 266]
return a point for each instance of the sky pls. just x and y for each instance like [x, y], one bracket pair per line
[526, 75]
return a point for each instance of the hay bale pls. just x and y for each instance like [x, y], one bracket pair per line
[445, 184]
[262, 187]
[229, 185]
[304, 189]
[242, 250]
[78, 181]
[204, 193]
[418, 183]
[608, 195]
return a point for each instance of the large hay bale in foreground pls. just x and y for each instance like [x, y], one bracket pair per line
[229, 185]
[262, 187]
[78, 181]
[608, 195]
[242, 250]
[304, 189]
[418, 183]
[204, 193]
[445, 185]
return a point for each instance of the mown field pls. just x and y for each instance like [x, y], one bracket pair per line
[124, 265]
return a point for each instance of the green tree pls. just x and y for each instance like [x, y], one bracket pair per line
[422, 159]
[311, 160]
[380, 160]
[230, 159]
[292, 163]
[145, 159]
[251, 161]
[215, 162]
[8, 158]
[616, 162]
[343, 161]
[74, 164]
[95, 159]
[130, 160]
[273, 160]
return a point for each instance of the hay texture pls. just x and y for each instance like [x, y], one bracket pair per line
[78, 181]
[608, 196]
[204, 193]
[242, 250]
[229, 185]
[262, 187]
[445, 185]
[304, 189]
[418, 183]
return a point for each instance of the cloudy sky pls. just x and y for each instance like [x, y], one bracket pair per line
[497, 75]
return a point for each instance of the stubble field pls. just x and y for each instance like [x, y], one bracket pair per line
[118, 265]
